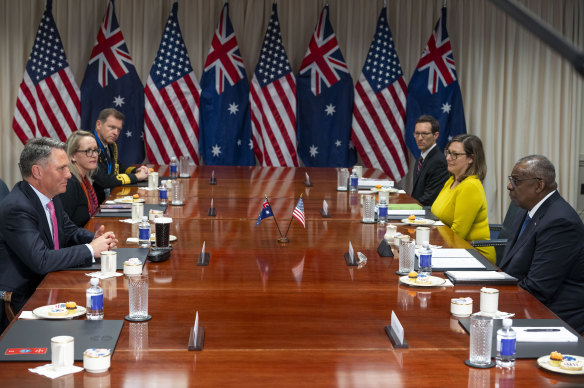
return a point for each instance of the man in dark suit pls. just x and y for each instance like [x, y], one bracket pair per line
[109, 172]
[36, 235]
[431, 170]
[546, 252]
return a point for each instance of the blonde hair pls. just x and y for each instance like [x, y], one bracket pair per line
[72, 146]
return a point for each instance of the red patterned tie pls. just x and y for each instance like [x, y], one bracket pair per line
[54, 222]
[420, 163]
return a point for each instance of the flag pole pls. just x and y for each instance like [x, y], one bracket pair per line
[290, 223]
[274, 217]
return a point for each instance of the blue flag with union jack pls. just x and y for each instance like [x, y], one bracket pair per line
[111, 81]
[265, 212]
[325, 100]
[434, 90]
[225, 126]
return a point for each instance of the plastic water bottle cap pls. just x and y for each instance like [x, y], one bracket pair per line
[507, 322]
[144, 218]
[94, 281]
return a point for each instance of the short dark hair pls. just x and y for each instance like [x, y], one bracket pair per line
[429, 119]
[538, 166]
[473, 146]
[107, 112]
[37, 151]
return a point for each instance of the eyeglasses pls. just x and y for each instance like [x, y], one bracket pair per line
[453, 155]
[423, 134]
[514, 181]
[91, 151]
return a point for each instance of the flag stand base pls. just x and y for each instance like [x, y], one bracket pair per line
[283, 240]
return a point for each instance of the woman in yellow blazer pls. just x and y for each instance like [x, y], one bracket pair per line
[462, 204]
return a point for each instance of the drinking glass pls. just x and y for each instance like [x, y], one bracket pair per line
[138, 296]
[342, 178]
[481, 335]
[407, 253]
[368, 208]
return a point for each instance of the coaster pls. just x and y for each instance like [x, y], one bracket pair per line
[146, 318]
[486, 366]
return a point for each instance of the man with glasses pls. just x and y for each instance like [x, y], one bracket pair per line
[546, 252]
[110, 173]
[36, 235]
[431, 170]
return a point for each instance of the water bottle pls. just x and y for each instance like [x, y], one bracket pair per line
[94, 300]
[173, 168]
[382, 211]
[425, 260]
[163, 195]
[144, 233]
[506, 338]
[354, 180]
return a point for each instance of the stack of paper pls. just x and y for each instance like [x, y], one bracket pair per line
[405, 209]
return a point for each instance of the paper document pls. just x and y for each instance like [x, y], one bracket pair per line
[456, 262]
[544, 334]
[451, 252]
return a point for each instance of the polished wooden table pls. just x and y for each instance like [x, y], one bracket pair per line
[282, 314]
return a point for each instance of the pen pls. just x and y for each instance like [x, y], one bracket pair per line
[544, 330]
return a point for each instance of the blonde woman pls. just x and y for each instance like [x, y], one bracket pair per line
[80, 200]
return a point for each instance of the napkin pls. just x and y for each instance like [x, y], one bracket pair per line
[52, 373]
[130, 221]
[27, 315]
[101, 275]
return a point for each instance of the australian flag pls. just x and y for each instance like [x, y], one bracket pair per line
[434, 90]
[265, 212]
[325, 101]
[111, 81]
[225, 126]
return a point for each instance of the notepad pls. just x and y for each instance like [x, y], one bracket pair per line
[480, 277]
[364, 182]
[544, 334]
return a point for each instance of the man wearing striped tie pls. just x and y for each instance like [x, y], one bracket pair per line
[36, 235]
[431, 170]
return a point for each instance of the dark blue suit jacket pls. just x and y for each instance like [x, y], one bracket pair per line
[431, 178]
[26, 244]
[548, 259]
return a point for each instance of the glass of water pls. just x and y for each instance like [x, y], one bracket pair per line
[407, 253]
[481, 336]
[138, 297]
[342, 178]
[368, 208]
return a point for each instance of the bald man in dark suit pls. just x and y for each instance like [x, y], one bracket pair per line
[546, 251]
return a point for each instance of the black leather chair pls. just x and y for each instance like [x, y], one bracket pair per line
[3, 190]
[500, 233]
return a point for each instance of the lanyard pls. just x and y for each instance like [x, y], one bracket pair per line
[108, 162]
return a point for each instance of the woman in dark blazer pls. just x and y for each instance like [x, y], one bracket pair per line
[80, 200]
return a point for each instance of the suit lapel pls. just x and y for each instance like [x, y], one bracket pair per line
[36, 202]
[530, 229]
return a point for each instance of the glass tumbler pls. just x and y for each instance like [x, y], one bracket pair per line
[407, 253]
[368, 208]
[342, 178]
[138, 297]
[481, 336]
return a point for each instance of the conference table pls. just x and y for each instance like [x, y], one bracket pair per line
[281, 314]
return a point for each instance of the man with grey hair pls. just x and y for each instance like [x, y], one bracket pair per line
[546, 252]
[36, 235]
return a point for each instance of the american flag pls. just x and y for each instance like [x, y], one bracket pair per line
[111, 81]
[324, 90]
[171, 114]
[273, 102]
[48, 102]
[298, 212]
[379, 109]
[225, 127]
[434, 90]
[265, 212]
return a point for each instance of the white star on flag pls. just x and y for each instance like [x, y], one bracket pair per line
[128, 133]
[119, 101]
[313, 151]
[330, 110]
[233, 108]
[338, 143]
[446, 107]
[216, 150]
